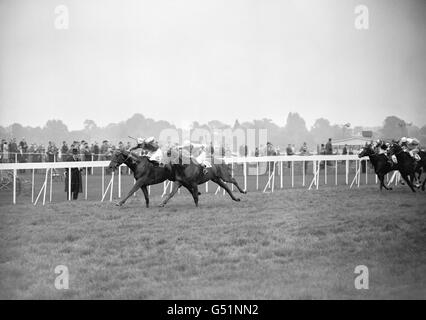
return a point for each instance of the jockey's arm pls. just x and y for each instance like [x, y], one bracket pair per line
[138, 146]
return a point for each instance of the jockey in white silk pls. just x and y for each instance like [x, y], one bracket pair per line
[152, 149]
[381, 146]
[410, 145]
[196, 151]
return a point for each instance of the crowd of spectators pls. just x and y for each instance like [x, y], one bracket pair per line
[11, 151]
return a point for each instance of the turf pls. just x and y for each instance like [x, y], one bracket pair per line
[290, 244]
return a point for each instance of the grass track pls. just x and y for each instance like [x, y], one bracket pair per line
[293, 243]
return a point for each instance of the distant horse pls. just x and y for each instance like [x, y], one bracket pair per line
[421, 167]
[218, 173]
[380, 162]
[406, 164]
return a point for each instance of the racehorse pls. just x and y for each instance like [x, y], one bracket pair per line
[406, 164]
[421, 167]
[188, 175]
[380, 162]
[218, 173]
[144, 172]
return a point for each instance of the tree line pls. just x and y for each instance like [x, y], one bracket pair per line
[293, 131]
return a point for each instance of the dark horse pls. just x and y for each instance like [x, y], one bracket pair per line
[421, 167]
[380, 162]
[218, 173]
[147, 173]
[406, 164]
[144, 172]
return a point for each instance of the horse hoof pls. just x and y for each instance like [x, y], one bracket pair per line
[118, 204]
[237, 199]
[390, 188]
[161, 205]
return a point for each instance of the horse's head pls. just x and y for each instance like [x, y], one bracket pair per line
[118, 158]
[366, 151]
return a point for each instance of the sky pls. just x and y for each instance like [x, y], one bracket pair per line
[199, 60]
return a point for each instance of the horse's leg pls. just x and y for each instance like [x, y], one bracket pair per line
[224, 186]
[135, 188]
[382, 182]
[146, 194]
[423, 185]
[408, 180]
[195, 193]
[176, 187]
[225, 176]
[414, 181]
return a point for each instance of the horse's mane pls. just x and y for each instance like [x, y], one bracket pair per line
[136, 159]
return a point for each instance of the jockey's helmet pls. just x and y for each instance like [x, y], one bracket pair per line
[140, 140]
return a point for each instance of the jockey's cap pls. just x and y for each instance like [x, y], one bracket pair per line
[403, 139]
[149, 140]
[140, 140]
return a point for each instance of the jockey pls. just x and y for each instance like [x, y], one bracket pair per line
[410, 145]
[151, 149]
[198, 152]
[381, 146]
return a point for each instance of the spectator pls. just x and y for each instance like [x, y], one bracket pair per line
[51, 151]
[104, 150]
[13, 150]
[345, 150]
[64, 151]
[256, 152]
[76, 180]
[329, 147]
[5, 152]
[304, 149]
[270, 152]
[96, 151]
[322, 149]
[24, 150]
[290, 152]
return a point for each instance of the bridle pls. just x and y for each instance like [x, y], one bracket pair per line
[125, 160]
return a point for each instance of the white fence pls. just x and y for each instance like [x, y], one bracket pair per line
[277, 162]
